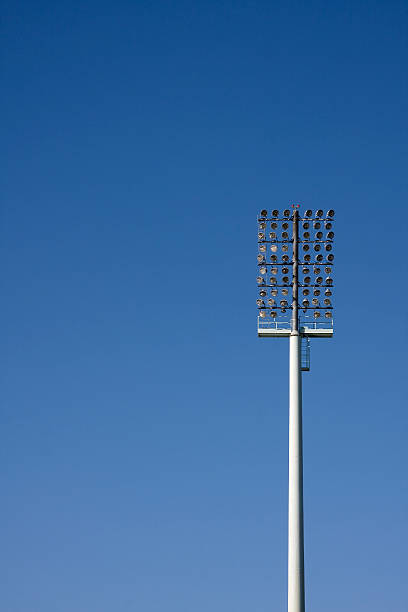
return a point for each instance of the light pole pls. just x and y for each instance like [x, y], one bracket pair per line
[274, 280]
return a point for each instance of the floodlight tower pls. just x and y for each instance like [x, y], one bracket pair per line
[299, 330]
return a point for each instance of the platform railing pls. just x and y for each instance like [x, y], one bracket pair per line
[303, 323]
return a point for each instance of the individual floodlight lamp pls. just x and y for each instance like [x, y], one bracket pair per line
[300, 267]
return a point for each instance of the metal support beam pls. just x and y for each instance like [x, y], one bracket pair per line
[296, 581]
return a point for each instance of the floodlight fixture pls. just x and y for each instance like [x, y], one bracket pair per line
[292, 259]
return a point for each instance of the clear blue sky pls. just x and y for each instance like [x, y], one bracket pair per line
[144, 425]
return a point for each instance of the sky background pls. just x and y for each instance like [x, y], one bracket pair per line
[144, 426]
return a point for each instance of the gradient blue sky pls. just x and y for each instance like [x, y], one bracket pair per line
[144, 425]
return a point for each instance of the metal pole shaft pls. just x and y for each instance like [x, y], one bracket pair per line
[296, 585]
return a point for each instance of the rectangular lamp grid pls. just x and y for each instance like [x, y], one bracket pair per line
[275, 259]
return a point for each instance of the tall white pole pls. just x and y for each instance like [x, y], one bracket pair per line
[296, 583]
[296, 580]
